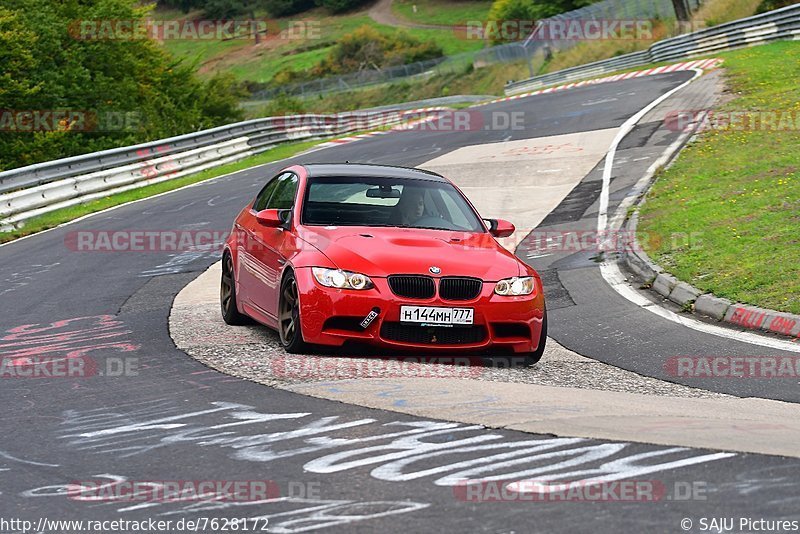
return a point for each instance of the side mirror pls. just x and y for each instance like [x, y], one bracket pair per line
[500, 227]
[270, 218]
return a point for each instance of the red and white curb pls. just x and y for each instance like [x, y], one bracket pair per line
[345, 140]
[413, 117]
[424, 115]
[686, 65]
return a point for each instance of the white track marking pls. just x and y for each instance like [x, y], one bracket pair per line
[625, 129]
[616, 280]
[611, 272]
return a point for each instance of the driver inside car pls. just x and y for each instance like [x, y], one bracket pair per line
[410, 208]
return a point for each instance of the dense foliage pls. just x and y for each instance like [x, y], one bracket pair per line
[769, 5]
[131, 86]
[276, 8]
[365, 49]
[532, 10]
[339, 6]
[184, 5]
[282, 8]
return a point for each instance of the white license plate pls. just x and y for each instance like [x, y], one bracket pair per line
[430, 315]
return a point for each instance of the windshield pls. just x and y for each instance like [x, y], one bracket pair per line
[370, 201]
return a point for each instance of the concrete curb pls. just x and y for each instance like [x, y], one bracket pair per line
[695, 300]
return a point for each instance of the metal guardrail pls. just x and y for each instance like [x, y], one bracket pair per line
[30, 191]
[43, 173]
[780, 24]
[428, 102]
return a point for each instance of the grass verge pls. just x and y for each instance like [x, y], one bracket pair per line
[485, 81]
[721, 11]
[443, 12]
[61, 216]
[725, 216]
[248, 61]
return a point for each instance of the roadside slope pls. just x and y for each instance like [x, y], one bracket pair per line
[724, 217]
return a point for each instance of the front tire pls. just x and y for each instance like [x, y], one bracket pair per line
[227, 295]
[289, 325]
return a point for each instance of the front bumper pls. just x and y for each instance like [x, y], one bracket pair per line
[332, 316]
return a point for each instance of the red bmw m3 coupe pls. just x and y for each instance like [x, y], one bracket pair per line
[398, 258]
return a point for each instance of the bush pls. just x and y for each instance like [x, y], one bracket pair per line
[363, 49]
[282, 105]
[366, 48]
[769, 5]
[339, 6]
[183, 5]
[287, 75]
[225, 9]
[282, 8]
[532, 9]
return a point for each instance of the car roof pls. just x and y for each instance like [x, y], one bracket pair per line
[360, 169]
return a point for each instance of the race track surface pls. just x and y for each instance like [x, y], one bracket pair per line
[340, 467]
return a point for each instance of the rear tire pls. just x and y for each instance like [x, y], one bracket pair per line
[227, 295]
[289, 326]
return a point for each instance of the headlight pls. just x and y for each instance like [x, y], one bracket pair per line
[341, 279]
[513, 287]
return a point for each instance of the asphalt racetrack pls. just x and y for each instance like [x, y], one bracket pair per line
[335, 466]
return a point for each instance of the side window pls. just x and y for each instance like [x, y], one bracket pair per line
[283, 198]
[263, 196]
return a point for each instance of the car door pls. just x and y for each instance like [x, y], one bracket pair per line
[268, 246]
[248, 274]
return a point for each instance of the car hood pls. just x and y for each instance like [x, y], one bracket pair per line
[382, 252]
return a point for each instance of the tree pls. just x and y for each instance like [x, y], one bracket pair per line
[282, 8]
[532, 10]
[227, 9]
[367, 48]
[183, 5]
[48, 64]
[339, 6]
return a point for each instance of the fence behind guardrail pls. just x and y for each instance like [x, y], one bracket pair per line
[775, 25]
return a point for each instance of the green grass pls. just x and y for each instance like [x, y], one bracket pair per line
[259, 63]
[737, 192]
[450, 41]
[199, 51]
[720, 11]
[486, 81]
[442, 12]
[61, 216]
[262, 69]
